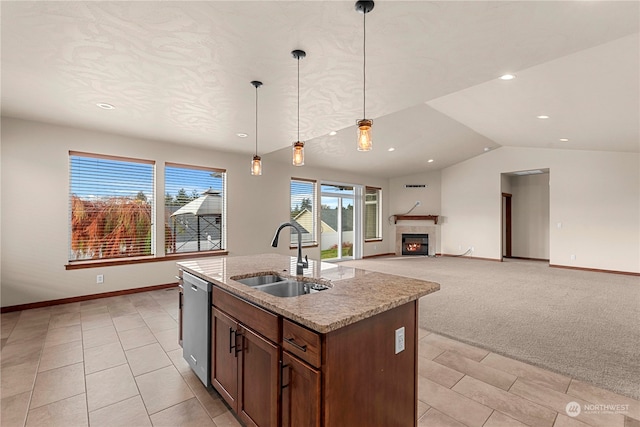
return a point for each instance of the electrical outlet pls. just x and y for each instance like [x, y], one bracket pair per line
[472, 248]
[100, 278]
[399, 340]
[573, 257]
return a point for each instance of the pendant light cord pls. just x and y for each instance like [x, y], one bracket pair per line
[298, 98]
[364, 66]
[256, 120]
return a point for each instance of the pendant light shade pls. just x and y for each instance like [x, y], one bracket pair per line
[256, 166]
[298, 146]
[298, 153]
[256, 163]
[364, 135]
[365, 142]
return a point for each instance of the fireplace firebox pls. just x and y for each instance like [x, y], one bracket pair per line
[415, 244]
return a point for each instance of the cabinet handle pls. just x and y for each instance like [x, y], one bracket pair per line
[282, 368]
[293, 343]
[180, 304]
[238, 347]
[194, 288]
[232, 340]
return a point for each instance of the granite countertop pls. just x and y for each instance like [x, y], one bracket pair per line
[355, 295]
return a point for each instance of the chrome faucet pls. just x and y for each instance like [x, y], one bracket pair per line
[300, 264]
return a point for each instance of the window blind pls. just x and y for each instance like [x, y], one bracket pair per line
[372, 214]
[303, 210]
[195, 208]
[111, 207]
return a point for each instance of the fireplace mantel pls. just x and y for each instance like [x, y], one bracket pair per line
[433, 218]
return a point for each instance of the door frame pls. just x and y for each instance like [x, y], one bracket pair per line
[357, 218]
[506, 224]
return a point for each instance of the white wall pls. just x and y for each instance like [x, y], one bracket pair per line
[595, 195]
[34, 200]
[530, 216]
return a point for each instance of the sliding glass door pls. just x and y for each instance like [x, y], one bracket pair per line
[339, 216]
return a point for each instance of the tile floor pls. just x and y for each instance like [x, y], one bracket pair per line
[116, 362]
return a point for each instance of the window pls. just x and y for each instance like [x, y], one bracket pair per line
[111, 207]
[195, 206]
[372, 214]
[303, 211]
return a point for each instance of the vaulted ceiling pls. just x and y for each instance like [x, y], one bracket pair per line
[181, 72]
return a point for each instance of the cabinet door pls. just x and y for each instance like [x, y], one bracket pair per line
[224, 357]
[300, 393]
[259, 361]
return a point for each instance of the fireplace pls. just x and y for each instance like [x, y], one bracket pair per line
[415, 244]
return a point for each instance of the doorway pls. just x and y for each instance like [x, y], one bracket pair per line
[525, 215]
[339, 222]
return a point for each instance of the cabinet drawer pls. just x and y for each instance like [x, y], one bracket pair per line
[302, 342]
[256, 318]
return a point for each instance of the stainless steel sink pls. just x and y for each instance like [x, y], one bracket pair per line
[261, 280]
[292, 288]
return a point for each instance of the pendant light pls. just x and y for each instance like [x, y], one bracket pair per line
[256, 163]
[298, 146]
[364, 126]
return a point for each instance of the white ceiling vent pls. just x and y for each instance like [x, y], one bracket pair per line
[415, 185]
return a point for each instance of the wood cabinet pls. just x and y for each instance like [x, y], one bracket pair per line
[300, 393]
[245, 365]
[224, 357]
[276, 372]
[258, 380]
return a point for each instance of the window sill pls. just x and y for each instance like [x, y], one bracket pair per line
[78, 265]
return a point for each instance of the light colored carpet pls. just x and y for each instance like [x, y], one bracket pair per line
[579, 323]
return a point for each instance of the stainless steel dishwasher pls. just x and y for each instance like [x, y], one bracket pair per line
[196, 334]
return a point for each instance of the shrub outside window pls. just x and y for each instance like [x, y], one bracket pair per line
[111, 207]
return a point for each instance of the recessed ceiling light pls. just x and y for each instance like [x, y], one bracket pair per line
[430, 161]
[332, 133]
[542, 117]
[564, 139]
[242, 135]
[391, 149]
[105, 106]
[487, 148]
[507, 77]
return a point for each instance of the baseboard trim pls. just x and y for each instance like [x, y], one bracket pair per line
[526, 258]
[596, 270]
[378, 255]
[473, 257]
[41, 304]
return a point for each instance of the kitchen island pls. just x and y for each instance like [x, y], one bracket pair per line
[342, 356]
